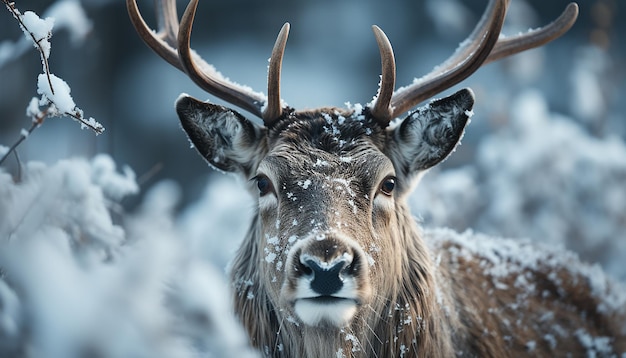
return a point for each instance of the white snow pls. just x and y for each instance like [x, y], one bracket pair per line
[113, 184]
[596, 346]
[304, 184]
[270, 257]
[55, 92]
[541, 177]
[63, 14]
[127, 284]
[32, 110]
[78, 279]
[505, 257]
[320, 163]
[59, 94]
[38, 30]
[70, 15]
[218, 235]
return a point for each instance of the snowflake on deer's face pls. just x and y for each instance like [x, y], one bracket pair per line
[333, 263]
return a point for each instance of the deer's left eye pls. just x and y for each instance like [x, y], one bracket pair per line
[264, 184]
[387, 185]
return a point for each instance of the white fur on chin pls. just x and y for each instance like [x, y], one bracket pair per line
[313, 313]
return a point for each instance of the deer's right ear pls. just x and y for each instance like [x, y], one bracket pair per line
[223, 137]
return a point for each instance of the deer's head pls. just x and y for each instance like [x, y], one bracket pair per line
[327, 183]
[331, 230]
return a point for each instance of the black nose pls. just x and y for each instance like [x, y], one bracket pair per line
[326, 280]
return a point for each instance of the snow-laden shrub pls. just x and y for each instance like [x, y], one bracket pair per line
[541, 177]
[74, 283]
[215, 225]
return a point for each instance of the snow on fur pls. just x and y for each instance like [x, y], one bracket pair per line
[501, 258]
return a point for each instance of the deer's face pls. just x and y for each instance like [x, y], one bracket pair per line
[325, 193]
[329, 189]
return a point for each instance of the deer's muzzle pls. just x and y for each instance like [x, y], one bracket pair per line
[326, 281]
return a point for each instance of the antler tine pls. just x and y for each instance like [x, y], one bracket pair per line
[167, 20]
[274, 109]
[465, 61]
[211, 82]
[382, 110]
[535, 38]
[172, 41]
[162, 42]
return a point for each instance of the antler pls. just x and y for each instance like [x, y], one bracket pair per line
[172, 43]
[382, 110]
[481, 47]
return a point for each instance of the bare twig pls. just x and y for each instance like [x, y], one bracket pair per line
[19, 166]
[37, 121]
[152, 172]
[94, 126]
[17, 143]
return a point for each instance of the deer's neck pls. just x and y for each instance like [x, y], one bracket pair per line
[414, 321]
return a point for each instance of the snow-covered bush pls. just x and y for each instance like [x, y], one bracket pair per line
[217, 222]
[79, 277]
[74, 283]
[540, 177]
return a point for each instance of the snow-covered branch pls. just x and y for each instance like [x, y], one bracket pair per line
[55, 99]
[67, 14]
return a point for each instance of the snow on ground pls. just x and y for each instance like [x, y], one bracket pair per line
[75, 282]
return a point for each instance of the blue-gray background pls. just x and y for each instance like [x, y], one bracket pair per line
[549, 165]
[331, 58]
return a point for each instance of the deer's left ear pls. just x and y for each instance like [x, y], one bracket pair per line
[428, 135]
[223, 137]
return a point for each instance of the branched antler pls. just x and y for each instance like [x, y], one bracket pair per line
[172, 42]
[484, 45]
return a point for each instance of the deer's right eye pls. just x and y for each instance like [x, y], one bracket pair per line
[264, 184]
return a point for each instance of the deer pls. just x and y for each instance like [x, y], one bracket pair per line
[334, 264]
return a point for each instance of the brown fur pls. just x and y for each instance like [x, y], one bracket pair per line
[322, 194]
[435, 294]
[466, 314]
[334, 265]
[547, 308]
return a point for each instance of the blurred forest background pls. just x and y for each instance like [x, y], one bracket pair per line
[91, 268]
[332, 58]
